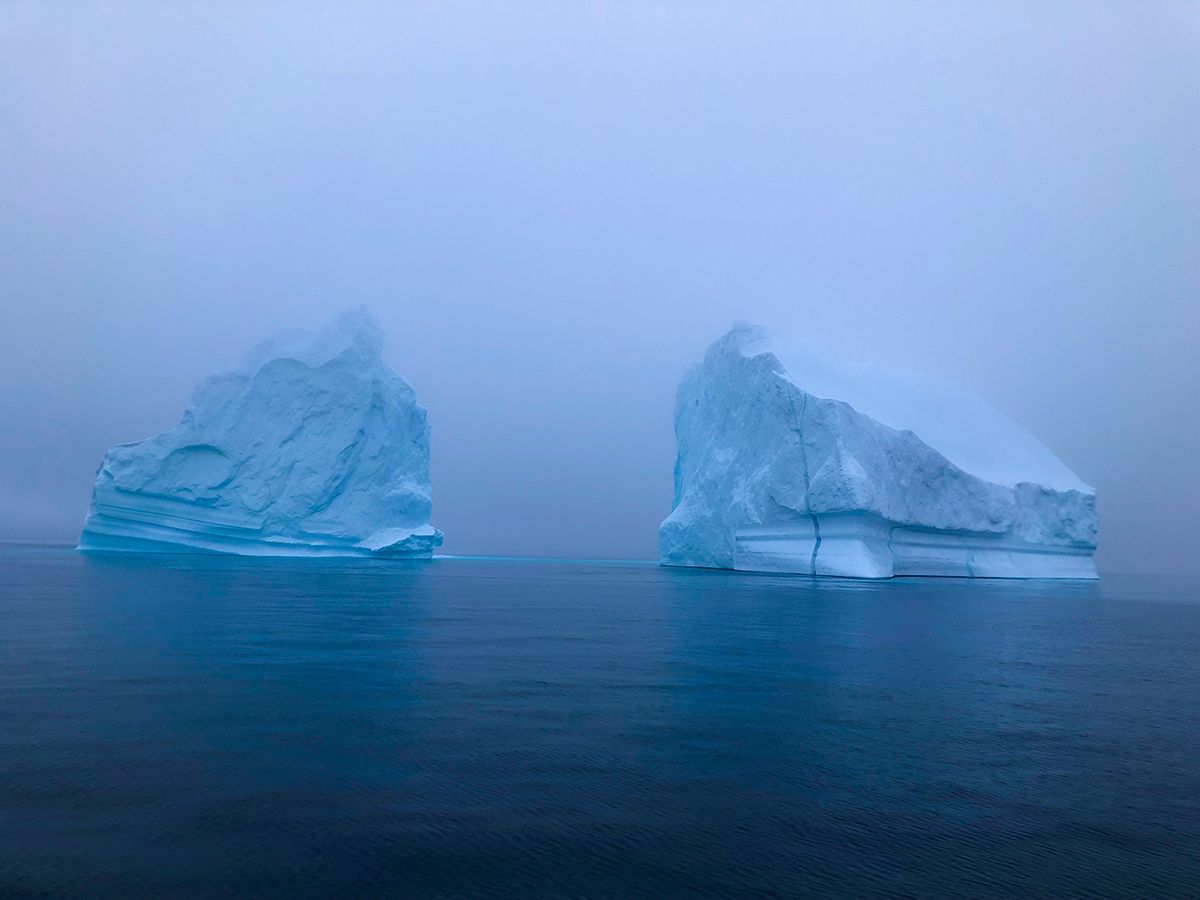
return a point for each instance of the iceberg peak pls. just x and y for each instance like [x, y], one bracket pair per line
[355, 331]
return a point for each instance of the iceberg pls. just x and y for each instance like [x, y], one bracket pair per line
[791, 461]
[312, 446]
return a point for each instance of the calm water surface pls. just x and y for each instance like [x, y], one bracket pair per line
[211, 726]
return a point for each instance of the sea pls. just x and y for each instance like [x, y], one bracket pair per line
[203, 726]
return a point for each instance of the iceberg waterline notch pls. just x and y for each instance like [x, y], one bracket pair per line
[312, 446]
[791, 461]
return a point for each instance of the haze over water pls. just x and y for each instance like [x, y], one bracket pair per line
[554, 208]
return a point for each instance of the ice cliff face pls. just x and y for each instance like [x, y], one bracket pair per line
[311, 447]
[792, 462]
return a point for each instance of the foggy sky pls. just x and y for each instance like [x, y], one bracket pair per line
[554, 208]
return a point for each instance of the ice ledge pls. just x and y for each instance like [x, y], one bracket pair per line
[112, 530]
[856, 545]
[420, 541]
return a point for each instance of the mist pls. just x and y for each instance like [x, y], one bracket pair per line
[553, 209]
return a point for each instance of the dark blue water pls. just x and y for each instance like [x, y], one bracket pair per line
[207, 727]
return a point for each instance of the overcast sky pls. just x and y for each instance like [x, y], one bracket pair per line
[553, 208]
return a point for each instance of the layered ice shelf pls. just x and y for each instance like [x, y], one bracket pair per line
[313, 446]
[790, 461]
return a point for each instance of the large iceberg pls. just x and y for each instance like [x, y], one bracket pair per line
[313, 446]
[790, 461]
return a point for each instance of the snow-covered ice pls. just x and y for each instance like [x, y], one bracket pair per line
[313, 446]
[791, 461]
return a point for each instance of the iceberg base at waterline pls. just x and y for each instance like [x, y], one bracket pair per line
[856, 545]
[124, 530]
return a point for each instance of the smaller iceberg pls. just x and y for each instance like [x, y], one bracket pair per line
[313, 446]
[790, 461]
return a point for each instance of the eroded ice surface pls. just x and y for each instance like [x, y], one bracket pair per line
[313, 446]
[790, 461]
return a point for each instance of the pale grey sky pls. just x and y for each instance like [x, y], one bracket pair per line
[554, 208]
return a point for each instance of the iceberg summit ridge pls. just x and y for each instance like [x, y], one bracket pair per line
[312, 446]
[792, 461]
